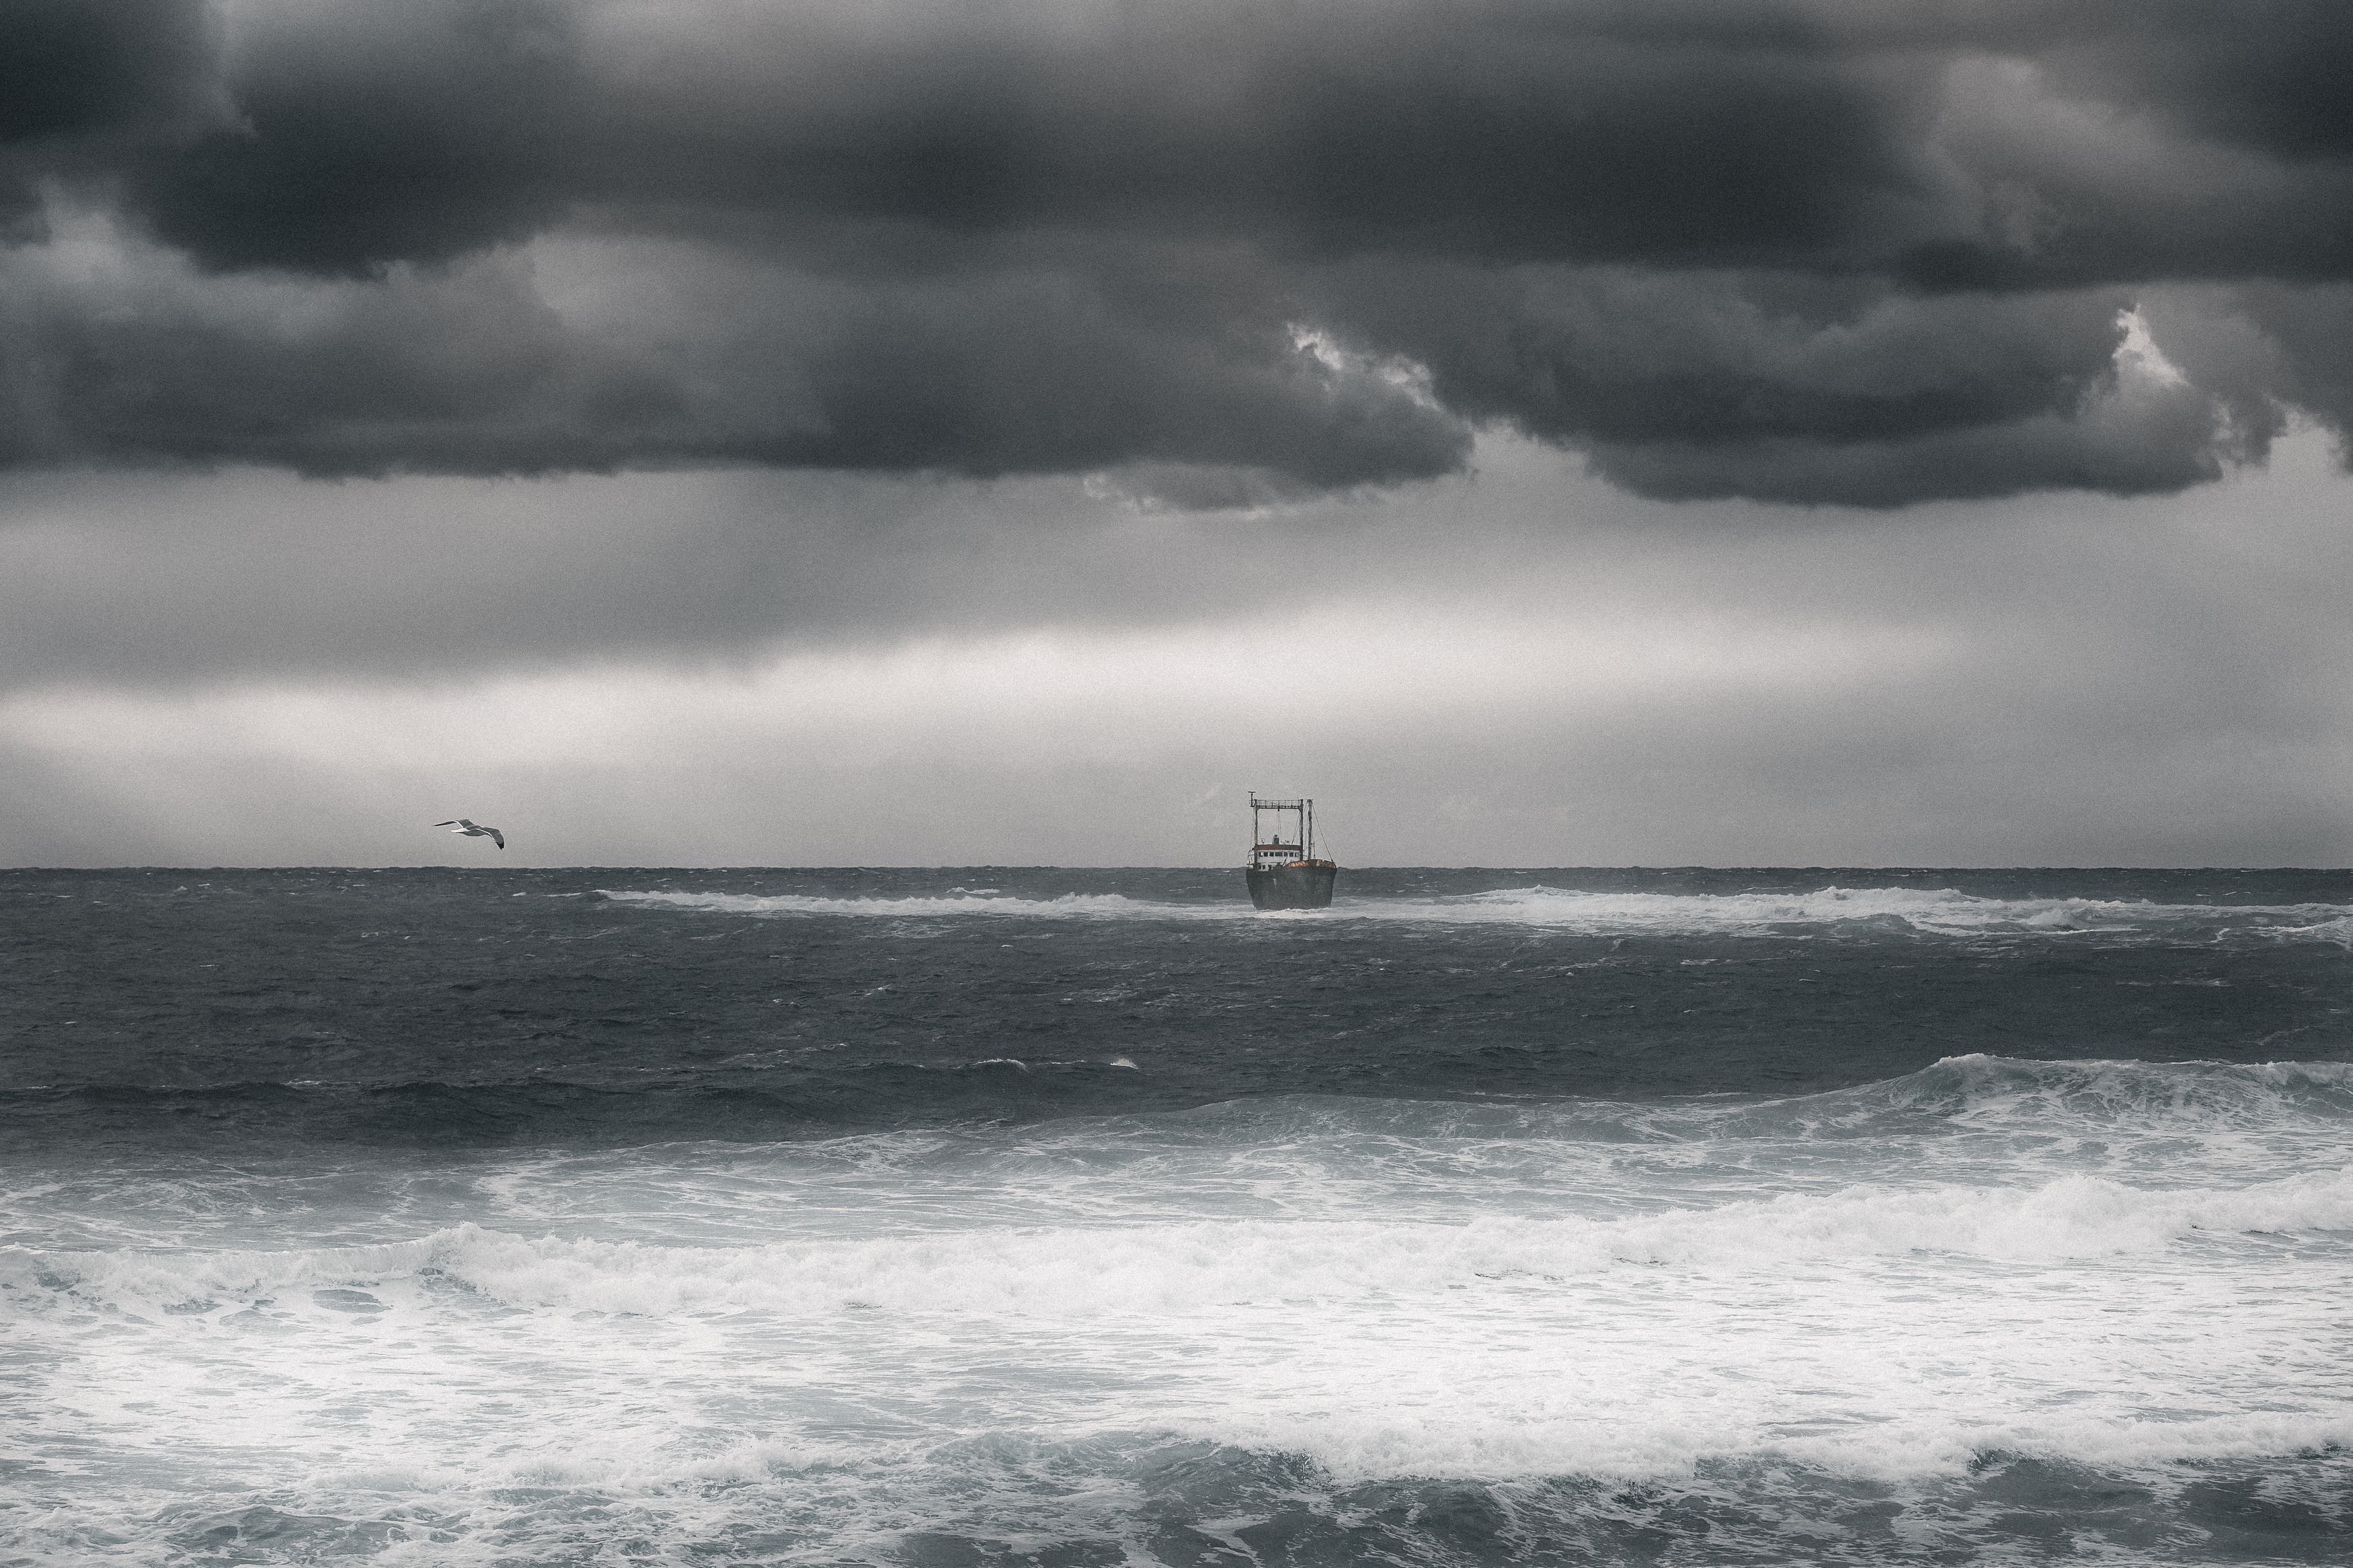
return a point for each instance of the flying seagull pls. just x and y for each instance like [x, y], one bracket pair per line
[467, 828]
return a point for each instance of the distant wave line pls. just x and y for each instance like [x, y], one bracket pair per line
[1939, 911]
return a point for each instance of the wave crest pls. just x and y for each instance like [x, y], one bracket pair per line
[1988, 1092]
[1935, 911]
[1164, 1269]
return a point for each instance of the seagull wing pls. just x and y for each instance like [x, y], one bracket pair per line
[452, 821]
[496, 836]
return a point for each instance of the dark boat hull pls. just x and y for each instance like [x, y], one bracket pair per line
[1302, 884]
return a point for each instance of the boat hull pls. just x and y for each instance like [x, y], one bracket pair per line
[1302, 885]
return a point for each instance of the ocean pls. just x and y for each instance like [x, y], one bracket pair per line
[1071, 1218]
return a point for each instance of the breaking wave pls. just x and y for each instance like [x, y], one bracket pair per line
[1182, 1267]
[1939, 910]
[1942, 911]
[1987, 1092]
[1750, 1365]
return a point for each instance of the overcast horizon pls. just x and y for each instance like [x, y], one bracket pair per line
[1786, 433]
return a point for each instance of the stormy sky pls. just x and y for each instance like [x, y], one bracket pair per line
[723, 431]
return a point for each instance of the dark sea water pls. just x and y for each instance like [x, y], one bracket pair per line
[1086, 1217]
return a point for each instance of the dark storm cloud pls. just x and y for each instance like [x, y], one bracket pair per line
[72, 67]
[1631, 356]
[85, 87]
[2314, 331]
[372, 134]
[468, 369]
[1828, 251]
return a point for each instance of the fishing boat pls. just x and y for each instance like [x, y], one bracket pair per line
[1286, 875]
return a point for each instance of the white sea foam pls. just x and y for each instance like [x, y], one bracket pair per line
[1943, 912]
[994, 1331]
[1940, 910]
[1891, 1332]
[1180, 1267]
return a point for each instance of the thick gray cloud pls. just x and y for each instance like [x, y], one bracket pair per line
[1820, 250]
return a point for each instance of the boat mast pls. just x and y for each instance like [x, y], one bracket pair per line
[1302, 808]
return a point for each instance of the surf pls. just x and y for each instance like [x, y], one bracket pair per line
[1945, 912]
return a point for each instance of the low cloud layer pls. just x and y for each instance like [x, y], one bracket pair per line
[1816, 251]
[1577, 677]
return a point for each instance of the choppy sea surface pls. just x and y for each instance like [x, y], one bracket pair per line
[1069, 1218]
